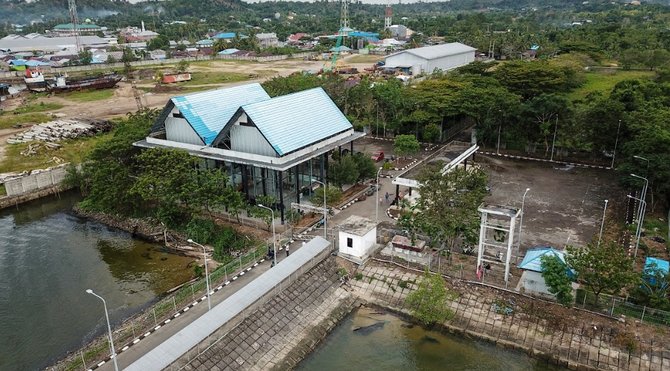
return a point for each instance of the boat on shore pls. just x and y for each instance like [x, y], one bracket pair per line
[35, 81]
[63, 84]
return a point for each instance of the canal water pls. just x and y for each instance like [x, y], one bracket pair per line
[368, 340]
[48, 258]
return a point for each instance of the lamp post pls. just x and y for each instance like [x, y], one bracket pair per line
[274, 239]
[325, 210]
[602, 224]
[523, 200]
[639, 223]
[643, 196]
[377, 195]
[109, 327]
[204, 253]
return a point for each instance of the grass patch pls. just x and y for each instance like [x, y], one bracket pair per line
[363, 58]
[89, 95]
[9, 119]
[73, 150]
[3, 190]
[604, 80]
[203, 78]
[38, 107]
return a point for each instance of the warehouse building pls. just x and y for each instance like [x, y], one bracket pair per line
[268, 146]
[442, 57]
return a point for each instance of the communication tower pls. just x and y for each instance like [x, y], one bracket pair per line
[74, 19]
[388, 14]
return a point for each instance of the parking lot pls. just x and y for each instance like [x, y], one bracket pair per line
[564, 204]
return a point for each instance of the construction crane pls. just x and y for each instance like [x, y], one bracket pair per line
[74, 19]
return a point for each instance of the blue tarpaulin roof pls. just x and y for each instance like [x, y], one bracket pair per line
[209, 111]
[533, 259]
[363, 34]
[660, 264]
[228, 51]
[294, 121]
[340, 48]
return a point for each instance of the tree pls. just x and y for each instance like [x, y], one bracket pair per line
[447, 209]
[85, 57]
[555, 274]
[344, 171]
[429, 302]
[365, 165]
[183, 66]
[406, 145]
[431, 133]
[604, 268]
[158, 42]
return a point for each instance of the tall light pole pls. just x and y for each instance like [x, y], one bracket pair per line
[325, 210]
[109, 327]
[523, 200]
[377, 195]
[204, 253]
[274, 239]
[616, 142]
[553, 142]
[602, 224]
[639, 223]
[643, 195]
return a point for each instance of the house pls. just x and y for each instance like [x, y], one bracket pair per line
[428, 59]
[135, 34]
[267, 40]
[531, 280]
[400, 32]
[357, 238]
[295, 39]
[268, 146]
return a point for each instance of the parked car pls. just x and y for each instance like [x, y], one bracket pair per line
[377, 156]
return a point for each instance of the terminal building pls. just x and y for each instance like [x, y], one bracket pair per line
[268, 146]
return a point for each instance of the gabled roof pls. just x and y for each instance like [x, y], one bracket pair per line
[438, 51]
[291, 122]
[533, 259]
[209, 111]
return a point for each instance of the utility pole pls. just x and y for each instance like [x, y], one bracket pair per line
[74, 19]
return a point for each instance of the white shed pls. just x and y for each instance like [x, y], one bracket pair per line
[531, 280]
[357, 238]
[430, 58]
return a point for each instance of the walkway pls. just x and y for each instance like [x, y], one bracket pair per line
[161, 355]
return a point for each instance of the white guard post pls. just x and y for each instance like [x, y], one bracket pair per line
[496, 236]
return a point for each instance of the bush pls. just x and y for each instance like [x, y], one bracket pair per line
[358, 276]
[201, 230]
[333, 196]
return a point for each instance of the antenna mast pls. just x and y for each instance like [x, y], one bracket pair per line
[75, 22]
[344, 15]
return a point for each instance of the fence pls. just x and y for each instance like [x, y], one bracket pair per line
[166, 308]
[108, 66]
[617, 307]
[37, 179]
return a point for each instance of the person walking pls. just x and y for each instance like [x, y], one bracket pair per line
[387, 197]
[286, 250]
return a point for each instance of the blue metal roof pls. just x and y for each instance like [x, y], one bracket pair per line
[293, 121]
[224, 35]
[533, 259]
[209, 111]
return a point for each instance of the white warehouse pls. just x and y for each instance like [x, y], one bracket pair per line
[430, 58]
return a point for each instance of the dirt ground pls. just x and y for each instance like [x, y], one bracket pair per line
[564, 204]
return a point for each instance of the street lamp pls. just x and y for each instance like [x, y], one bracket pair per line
[325, 209]
[204, 253]
[109, 327]
[274, 239]
[602, 224]
[639, 223]
[616, 142]
[643, 196]
[523, 200]
[377, 195]
[553, 142]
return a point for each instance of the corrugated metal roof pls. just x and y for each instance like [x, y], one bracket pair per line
[293, 121]
[533, 259]
[209, 111]
[439, 51]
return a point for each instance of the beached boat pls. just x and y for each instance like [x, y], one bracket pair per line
[35, 81]
[63, 83]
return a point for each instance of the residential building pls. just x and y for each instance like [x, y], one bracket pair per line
[268, 146]
[427, 59]
[267, 40]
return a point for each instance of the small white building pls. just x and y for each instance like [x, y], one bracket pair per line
[266, 40]
[357, 238]
[531, 280]
[430, 58]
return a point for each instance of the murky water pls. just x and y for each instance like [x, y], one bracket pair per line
[48, 258]
[386, 342]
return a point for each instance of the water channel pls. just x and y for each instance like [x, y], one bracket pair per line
[386, 342]
[48, 258]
